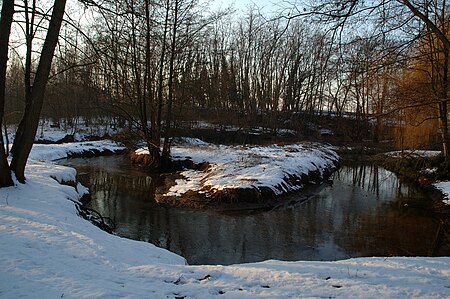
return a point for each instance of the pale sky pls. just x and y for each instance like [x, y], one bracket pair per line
[267, 5]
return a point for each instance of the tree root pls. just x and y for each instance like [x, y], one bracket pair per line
[104, 223]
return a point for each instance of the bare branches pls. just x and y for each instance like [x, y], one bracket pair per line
[429, 23]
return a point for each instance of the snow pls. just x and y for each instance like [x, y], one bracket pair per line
[429, 170]
[47, 251]
[414, 153]
[233, 167]
[48, 152]
[444, 187]
[326, 132]
[80, 128]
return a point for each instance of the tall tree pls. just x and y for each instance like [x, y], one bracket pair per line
[385, 17]
[147, 53]
[5, 30]
[27, 129]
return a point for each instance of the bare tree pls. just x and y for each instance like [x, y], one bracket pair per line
[386, 17]
[5, 29]
[35, 94]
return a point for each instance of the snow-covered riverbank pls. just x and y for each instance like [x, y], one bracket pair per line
[233, 170]
[443, 187]
[47, 251]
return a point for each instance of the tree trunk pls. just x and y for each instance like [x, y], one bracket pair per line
[443, 105]
[155, 145]
[166, 146]
[28, 126]
[443, 124]
[5, 30]
[429, 23]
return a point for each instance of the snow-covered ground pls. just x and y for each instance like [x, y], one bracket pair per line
[230, 128]
[47, 251]
[49, 152]
[231, 167]
[80, 128]
[413, 153]
[444, 187]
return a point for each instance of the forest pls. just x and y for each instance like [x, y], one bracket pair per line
[372, 71]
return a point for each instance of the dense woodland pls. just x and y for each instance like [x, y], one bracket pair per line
[156, 65]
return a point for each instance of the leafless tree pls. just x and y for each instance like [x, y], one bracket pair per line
[410, 19]
[5, 29]
[35, 87]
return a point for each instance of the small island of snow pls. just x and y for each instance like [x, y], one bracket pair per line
[270, 170]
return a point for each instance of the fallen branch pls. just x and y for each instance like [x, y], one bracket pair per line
[104, 223]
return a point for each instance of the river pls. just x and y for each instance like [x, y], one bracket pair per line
[365, 211]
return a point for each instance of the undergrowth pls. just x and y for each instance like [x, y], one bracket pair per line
[425, 170]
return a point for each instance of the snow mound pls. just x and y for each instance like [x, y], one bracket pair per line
[415, 153]
[277, 167]
[50, 152]
[50, 252]
[444, 187]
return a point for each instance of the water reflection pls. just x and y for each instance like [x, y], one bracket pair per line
[357, 215]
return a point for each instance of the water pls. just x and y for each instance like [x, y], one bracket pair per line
[367, 211]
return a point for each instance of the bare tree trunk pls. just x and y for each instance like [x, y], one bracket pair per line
[443, 107]
[5, 30]
[155, 146]
[149, 134]
[166, 145]
[28, 126]
[443, 124]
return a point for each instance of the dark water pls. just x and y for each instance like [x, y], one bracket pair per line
[367, 211]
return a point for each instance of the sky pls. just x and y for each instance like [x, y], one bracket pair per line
[267, 5]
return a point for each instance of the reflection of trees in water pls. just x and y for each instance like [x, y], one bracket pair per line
[202, 236]
[102, 181]
[119, 196]
[386, 229]
[367, 177]
[381, 182]
[387, 233]
[353, 217]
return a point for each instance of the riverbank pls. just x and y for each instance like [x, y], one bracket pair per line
[427, 169]
[48, 251]
[242, 174]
